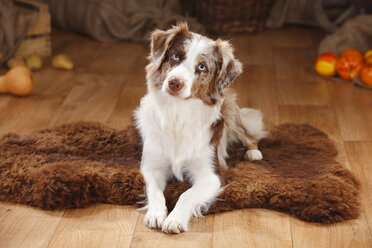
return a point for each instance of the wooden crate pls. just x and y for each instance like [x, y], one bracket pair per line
[37, 40]
[35, 45]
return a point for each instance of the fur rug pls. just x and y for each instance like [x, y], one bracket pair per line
[78, 164]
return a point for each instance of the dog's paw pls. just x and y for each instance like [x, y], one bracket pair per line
[253, 155]
[174, 225]
[155, 218]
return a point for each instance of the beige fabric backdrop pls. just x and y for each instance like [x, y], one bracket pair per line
[356, 33]
[13, 28]
[103, 20]
[106, 20]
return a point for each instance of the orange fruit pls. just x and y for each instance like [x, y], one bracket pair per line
[366, 74]
[368, 56]
[352, 52]
[325, 65]
[348, 67]
[368, 53]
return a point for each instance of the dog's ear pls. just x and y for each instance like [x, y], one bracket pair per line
[230, 66]
[162, 40]
[159, 43]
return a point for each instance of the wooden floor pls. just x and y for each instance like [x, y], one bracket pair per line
[107, 85]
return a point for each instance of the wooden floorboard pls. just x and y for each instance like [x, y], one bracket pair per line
[92, 98]
[106, 86]
[353, 106]
[252, 228]
[296, 82]
[96, 226]
[353, 233]
[360, 156]
[23, 226]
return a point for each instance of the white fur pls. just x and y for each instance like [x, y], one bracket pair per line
[176, 142]
[253, 155]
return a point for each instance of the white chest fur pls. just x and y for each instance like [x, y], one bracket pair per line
[178, 129]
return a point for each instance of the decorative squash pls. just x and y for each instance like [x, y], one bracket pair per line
[18, 81]
[34, 62]
[61, 61]
[16, 61]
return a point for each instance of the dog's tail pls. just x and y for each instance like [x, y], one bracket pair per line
[253, 123]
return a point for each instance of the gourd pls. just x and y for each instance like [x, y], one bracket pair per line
[62, 62]
[34, 62]
[16, 61]
[18, 81]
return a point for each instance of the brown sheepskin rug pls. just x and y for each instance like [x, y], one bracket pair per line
[74, 165]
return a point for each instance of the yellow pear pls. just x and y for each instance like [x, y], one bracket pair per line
[61, 61]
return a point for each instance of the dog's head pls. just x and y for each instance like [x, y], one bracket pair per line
[187, 65]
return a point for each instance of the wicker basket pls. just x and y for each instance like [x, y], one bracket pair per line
[233, 16]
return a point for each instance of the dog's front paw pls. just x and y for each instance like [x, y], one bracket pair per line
[253, 155]
[172, 224]
[155, 218]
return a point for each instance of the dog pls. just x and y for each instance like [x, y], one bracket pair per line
[187, 119]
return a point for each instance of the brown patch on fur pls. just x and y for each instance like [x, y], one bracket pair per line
[158, 42]
[223, 69]
[218, 169]
[249, 143]
[205, 85]
[78, 164]
[175, 47]
[230, 66]
[204, 89]
[217, 130]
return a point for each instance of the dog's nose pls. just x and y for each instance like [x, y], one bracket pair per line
[175, 85]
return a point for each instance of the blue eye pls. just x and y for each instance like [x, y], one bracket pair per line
[201, 67]
[176, 57]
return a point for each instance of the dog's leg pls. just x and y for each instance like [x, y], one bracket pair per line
[155, 170]
[252, 152]
[253, 130]
[206, 186]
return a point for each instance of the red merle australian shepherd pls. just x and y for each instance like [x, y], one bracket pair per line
[187, 119]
